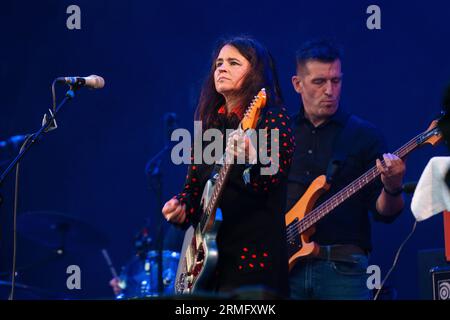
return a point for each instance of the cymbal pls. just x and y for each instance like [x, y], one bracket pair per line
[59, 231]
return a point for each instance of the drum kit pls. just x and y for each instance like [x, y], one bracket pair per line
[57, 231]
[139, 277]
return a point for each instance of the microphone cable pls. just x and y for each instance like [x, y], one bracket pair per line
[16, 197]
[395, 260]
[53, 96]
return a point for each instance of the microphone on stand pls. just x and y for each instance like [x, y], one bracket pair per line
[170, 124]
[154, 176]
[93, 81]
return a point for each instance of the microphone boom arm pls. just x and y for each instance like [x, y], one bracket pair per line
[48, 124]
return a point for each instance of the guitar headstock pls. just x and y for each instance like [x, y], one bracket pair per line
[433, 135]
[252, 113]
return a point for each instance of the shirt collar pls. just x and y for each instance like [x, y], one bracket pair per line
[236, 111]
[340, 117]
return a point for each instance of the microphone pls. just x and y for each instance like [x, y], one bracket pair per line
[170, 124]
[93, 81]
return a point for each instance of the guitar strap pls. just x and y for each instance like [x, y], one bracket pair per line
[341, 147]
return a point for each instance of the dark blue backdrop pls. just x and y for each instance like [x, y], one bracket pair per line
[153, 56]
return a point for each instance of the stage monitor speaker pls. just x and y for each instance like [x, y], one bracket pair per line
[434, 274]
[440, 279]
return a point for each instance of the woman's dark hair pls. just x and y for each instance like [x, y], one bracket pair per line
[262, 74]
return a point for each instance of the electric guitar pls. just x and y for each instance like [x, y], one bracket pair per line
[199, 253]
[300, 220]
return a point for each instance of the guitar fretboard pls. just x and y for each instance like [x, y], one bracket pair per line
[221, 179]
[322, 210]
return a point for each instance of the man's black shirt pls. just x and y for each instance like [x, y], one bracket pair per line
[349, 223]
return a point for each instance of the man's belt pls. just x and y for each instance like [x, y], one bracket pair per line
[340, 252]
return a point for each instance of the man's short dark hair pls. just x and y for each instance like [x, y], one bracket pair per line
[322, 50]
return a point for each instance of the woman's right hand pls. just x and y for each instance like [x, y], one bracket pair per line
[174, 211]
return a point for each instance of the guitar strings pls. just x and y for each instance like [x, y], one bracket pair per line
[302, 225]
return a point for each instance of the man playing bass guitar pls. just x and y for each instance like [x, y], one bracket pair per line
[337, 269]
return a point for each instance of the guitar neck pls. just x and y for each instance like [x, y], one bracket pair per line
[221, 180]
[325, 208]
[219, 186]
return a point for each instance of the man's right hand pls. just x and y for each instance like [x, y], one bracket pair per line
[174, 211]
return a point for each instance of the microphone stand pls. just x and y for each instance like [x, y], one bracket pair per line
[47, 125]
[154, 174]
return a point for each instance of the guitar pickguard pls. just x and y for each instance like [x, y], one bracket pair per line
[207, 194]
